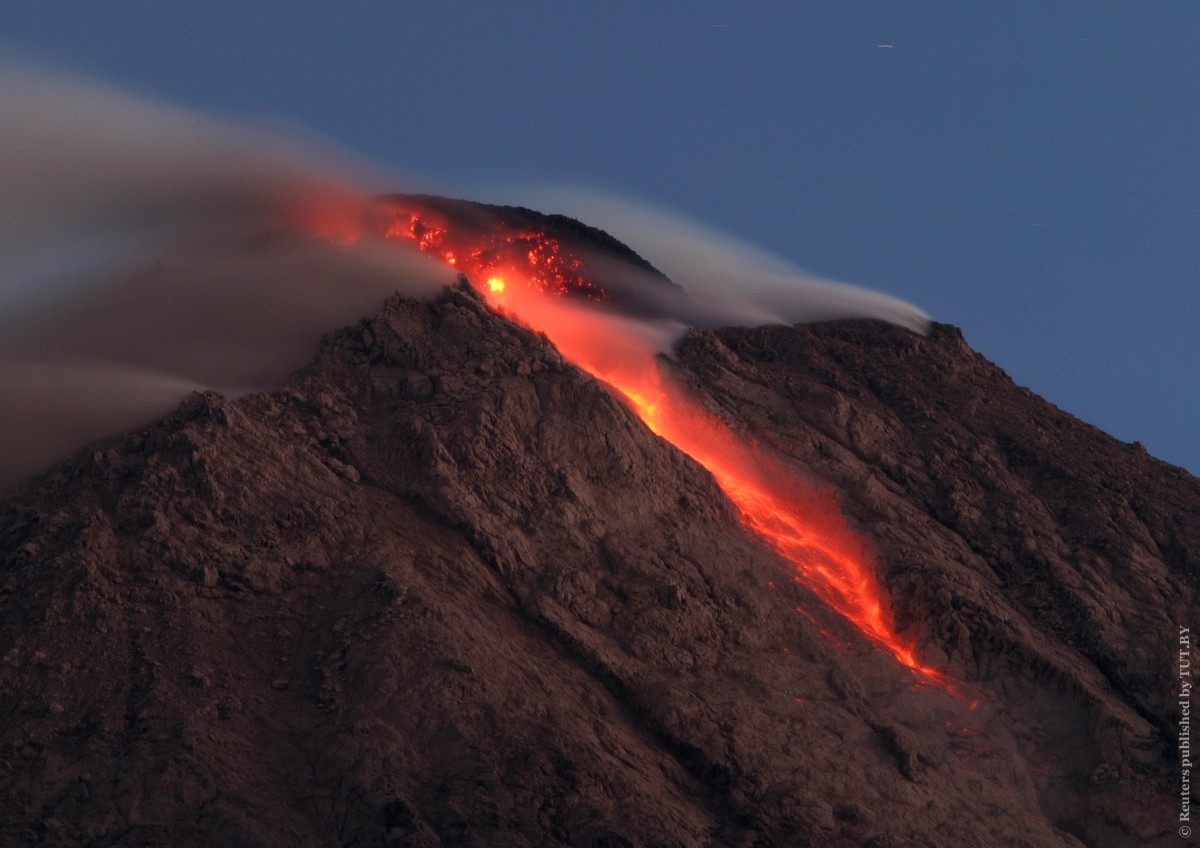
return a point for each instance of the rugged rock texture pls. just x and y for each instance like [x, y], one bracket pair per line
[444, 589]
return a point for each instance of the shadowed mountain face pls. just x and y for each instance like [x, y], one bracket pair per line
[445, 589]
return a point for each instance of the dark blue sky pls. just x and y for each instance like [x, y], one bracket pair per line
[1026, 170]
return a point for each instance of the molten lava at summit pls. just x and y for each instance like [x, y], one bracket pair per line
[492, 251]
[517, 271]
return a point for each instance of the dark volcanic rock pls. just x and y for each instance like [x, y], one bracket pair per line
[444, 589]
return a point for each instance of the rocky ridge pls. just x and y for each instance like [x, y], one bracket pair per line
[445, 589]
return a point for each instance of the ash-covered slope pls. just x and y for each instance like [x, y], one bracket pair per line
[445, 589]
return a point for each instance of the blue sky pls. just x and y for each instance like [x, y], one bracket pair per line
[1025, 170]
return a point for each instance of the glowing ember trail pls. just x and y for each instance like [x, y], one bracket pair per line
[803, 525]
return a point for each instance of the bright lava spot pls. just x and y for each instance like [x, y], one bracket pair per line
[798, 521]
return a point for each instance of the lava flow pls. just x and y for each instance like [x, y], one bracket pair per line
[801, 524]
[522, 267]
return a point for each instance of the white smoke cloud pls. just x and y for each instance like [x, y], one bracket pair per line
[727, 281]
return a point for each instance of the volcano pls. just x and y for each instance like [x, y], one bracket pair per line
[462, 581]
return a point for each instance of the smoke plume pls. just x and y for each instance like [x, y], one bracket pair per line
[727, 281]
[147, 251]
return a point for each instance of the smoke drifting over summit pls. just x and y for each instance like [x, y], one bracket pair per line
[728, 281]
[147, 251]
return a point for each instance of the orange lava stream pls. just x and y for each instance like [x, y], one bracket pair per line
[801, 523]
[798, 522]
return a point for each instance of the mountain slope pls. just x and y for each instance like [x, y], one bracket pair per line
[445, 589]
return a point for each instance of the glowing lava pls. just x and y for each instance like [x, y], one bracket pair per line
[799, 522]
[802, 524]
[488, 250]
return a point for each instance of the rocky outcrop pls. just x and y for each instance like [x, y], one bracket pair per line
[445, 589]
